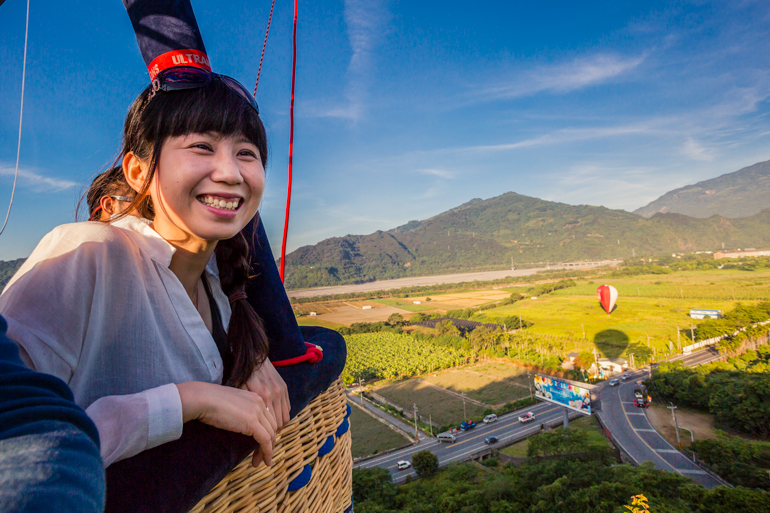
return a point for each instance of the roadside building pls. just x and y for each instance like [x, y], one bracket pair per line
[750, 252]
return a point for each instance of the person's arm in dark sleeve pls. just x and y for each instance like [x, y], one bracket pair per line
[49, 448]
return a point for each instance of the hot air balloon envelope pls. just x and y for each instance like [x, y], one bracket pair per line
[608, 296]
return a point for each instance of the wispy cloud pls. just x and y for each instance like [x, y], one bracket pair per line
[692, 149]
[563, 77]
[441, 173]
[366, 21]
[33, 180]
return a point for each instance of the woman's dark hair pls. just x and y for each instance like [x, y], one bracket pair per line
[112, 182]
[151, 120]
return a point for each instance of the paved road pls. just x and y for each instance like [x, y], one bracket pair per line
[403, 427]
[434, 280]
[633, 432]
[507, 428]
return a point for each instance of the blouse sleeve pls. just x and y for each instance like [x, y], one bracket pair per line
[49, 307]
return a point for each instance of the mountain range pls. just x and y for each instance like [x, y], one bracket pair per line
[739, 194]
[490, 234]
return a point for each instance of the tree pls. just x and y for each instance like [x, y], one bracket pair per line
[396, 319]
[425, 463]
[447, 328]
[373, 484]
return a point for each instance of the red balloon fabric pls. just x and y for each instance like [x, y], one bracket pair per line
[608, 296]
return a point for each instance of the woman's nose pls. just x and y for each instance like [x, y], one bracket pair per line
[227, 170]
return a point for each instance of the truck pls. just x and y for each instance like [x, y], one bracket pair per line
[527, 417]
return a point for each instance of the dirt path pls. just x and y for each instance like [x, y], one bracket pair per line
[700, 424]
[456, 394]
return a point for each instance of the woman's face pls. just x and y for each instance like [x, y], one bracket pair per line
[207, 187]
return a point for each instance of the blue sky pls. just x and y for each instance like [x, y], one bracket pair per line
[405, 109]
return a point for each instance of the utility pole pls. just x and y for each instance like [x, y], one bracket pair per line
[416, 435]
[673, 414]
[519, 320]
[529, 382]
[678, 340]
[692, 332]
[361, 385]
[465, 417]
[430, 421]
[633, 366]
[584, 330]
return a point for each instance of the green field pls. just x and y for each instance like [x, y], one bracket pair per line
[370, 436]
[442, 406]
[596, 438]
[492, 383]
[407, 305]
[306, 320]
[648, 306]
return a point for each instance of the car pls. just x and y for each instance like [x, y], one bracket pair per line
[490, 418]
[467, 424]
[625, 377]
[638, 395]
[614, 382]
[527, 417]
[491, 440]
[403, 465]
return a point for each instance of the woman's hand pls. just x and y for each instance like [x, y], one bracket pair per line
[269, 385]
[231, 409]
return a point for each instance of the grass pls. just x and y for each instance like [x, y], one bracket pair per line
[315, 321]
[630, 323]
[488, 383]
[596, 439]
[370, 436]
[405, 305]
[441, 405]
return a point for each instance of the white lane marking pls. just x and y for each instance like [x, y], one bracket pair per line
[635, 413]
[666, 450]
[697, 472]
[646, 430]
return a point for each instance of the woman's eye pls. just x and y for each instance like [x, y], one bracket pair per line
[248, 153]
[202, 146]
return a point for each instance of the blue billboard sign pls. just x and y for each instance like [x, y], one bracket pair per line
[560, 392]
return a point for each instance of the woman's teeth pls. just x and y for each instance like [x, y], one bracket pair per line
[221, 203]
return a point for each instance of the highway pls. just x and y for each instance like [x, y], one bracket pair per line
[632, 430]
[506, 428]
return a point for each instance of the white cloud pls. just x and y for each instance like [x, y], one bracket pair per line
[367, 22]
[441, 173]
[564, 77]
[695, 151]
[33, 180]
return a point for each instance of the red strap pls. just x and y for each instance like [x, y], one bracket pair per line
[192, 58]
[313, 354]
[291, 144]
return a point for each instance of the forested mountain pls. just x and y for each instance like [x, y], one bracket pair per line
[8, 269]
[487, 234]
[739, 194]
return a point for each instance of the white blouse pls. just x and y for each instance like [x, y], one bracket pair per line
[97, 306]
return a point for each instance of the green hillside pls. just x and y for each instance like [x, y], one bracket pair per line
[8, 269]
[739, 194]
[487, 234]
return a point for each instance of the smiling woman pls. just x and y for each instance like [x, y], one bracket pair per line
[138, 345]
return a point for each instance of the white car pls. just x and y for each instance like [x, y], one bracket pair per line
[403, 465]
[490, 418]
[527, 417]
[614, 383]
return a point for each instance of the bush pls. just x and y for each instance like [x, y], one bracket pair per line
[425, 463]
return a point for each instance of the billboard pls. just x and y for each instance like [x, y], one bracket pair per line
[562, 393]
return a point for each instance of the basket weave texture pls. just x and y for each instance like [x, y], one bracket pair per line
[265, 489]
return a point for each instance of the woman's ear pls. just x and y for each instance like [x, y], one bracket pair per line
[108, 206]
[135, 171]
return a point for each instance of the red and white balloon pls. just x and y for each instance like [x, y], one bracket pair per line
[608, 296]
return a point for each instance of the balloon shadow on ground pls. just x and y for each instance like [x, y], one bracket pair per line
[611, 343]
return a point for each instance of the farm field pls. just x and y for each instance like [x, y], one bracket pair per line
[630, 323]
[493, 383]
[407, 304]
[315, 321]
[443, 406]
[370, 436]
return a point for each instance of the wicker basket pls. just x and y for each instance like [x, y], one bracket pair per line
[315, 444]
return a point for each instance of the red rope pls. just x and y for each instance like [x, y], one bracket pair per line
[291, 142]
[264, 45]
[313, 354]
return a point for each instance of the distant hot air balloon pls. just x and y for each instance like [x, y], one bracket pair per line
[608, 295]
